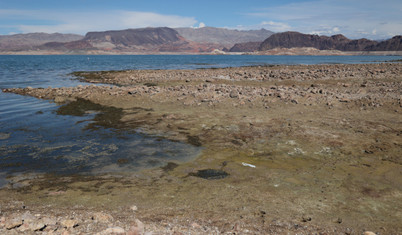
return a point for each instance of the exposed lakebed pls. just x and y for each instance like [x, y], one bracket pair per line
[285, 149]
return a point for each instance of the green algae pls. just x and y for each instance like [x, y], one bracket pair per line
[105, 116]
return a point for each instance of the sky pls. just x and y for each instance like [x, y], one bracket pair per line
[372, 19]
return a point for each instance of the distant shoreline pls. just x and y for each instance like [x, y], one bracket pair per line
[276, 51]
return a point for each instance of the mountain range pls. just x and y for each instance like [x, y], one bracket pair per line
[142, 40]
[335, 42]
[184, 40]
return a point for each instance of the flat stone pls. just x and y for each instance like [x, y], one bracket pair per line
[102, 217]
[69, 223]
[13, 223]
[114, 230]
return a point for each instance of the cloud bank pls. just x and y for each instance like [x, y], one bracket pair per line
[82, 22]
[355, 19]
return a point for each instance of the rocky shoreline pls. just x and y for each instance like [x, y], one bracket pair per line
[290, 149]
[325, 84]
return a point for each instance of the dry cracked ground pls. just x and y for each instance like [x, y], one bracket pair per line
[306, 149]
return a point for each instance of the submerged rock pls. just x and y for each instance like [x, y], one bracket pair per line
[4, 136]
[169, 166]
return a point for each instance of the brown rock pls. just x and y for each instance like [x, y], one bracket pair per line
[102, 217]
[69, 223]
[137, 229]
[2, 222]
[13, 223]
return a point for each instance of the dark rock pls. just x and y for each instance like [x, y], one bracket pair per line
[210, 174]
[150, 84]
[169, 166]
[306, 218]
[234, 94]
[194, 140]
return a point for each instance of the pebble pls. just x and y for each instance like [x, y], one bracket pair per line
[369, 233]
[234, 94]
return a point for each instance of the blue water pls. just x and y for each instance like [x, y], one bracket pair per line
[33, 138]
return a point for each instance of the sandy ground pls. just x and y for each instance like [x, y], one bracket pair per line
[286, 150]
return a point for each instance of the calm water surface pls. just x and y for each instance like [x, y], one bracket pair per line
[35, 139]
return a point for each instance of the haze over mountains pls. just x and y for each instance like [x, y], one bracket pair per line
[184, 40]
[29, 41]
[222, 36]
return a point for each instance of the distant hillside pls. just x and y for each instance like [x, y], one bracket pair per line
[393, 44]
[336, 42]
[30, 40]
[222, 36]
[135, 37]
[66, 46]
[245, 47]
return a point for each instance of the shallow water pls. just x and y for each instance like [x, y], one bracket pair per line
[36, 137]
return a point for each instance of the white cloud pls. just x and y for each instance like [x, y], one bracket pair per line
[82, 22]
[201, 25]
[352, 18]
[276, 26]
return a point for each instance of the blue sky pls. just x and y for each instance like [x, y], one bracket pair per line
[371, 19]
